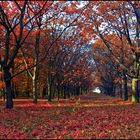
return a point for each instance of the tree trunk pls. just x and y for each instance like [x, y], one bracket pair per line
[120, 90]
[9, 100]
[113, 90]
[64, 91]
[13, 89]
[53, 90]
[44, 94]
[58, 91]
[49, 93]
[135, 93]
[124, 88]
[77, 91]
[28, 86]
[34, 89]
[49, 90]
[36, 69]
[68, 90]
[81, 90]
[7, 80]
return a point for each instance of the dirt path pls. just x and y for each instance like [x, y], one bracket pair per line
[96, 99]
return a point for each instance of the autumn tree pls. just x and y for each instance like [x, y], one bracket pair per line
[119, 19]
[16, 24]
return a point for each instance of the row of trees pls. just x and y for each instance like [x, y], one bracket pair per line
[116, 29]
[41, 47]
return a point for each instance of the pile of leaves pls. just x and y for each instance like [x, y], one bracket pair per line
[91, 116]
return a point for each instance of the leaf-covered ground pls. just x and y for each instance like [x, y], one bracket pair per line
[91, 116]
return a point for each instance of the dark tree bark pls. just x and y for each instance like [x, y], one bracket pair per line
[7, 80]
[124, 87]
